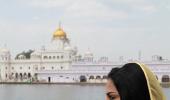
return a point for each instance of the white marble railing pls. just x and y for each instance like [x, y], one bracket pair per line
[73, 71]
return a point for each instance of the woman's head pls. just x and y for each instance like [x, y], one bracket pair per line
[127, 83]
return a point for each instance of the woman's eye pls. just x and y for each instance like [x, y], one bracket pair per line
[112, 98]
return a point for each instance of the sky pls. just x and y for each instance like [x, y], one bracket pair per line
[110, 28]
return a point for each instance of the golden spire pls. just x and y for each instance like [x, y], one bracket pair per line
[59, 33]
[59, 24]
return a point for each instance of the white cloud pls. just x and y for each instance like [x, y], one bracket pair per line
[81, 8]
[49, 3]
[138, 5]
[148, 8]
[92, 11]
[19, 36]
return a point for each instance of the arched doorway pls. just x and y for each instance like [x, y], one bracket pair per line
[165, 78]
[20, 75]
[91, 77]
[29, 75]
[104, 77]
[98, 77]
[25, 75]
[16, 75]
[83, 78]
[49, 79]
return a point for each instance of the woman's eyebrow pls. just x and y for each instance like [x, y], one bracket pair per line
[110, 93]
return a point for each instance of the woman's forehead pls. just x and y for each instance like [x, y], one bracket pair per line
[110, 87]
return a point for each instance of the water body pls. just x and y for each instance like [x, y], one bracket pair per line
[55, 92]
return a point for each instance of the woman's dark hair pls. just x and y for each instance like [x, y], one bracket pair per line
[130, 82]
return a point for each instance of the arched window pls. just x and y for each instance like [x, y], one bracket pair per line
[83, 78]
[49, 57]
[165, 78]
[29, 75]
[91, 77]
[20, 75]
[98, 77]
[58, 57]
[45, 57]
[25, 75]
[16, 75]
[53, 57]
[104, 77]
[62, 57]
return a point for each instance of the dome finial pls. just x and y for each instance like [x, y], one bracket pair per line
[59, 24]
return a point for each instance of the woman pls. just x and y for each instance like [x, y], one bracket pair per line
[133, 81]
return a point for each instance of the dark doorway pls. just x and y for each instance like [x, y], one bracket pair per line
[91, 77]
[16, 75]
[29, 75]
[83, 79]
[98, 77]
[49, 79]
[20, 75]
[165, 78]
[104, 77]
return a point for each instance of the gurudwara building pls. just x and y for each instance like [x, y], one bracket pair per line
[59, 62]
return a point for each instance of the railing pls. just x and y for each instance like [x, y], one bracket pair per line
[73, 72]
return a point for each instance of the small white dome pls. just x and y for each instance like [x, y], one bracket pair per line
[4, 50]
[88, 53]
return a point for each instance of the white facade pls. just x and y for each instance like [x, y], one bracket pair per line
[57, 56]
[59, 62]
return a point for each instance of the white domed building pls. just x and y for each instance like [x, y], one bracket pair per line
[59, 62]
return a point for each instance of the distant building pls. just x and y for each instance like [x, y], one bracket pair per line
[49, 64]
[61, 62]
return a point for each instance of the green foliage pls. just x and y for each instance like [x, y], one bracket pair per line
[26, 54]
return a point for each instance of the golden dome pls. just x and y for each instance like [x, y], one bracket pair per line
[59, 33]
